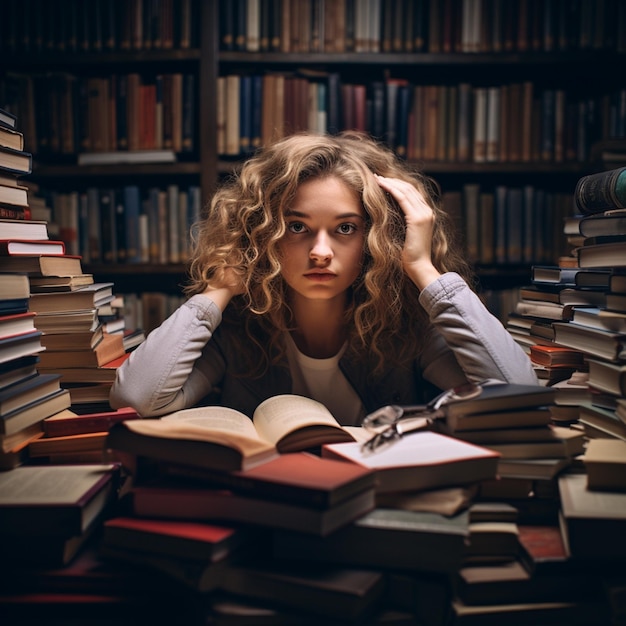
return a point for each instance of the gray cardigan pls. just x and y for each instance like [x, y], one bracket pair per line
[190, 356]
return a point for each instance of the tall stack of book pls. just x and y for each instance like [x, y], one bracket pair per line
[584, 332]
[27, 395]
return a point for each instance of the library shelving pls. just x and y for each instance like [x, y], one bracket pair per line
[500, 101]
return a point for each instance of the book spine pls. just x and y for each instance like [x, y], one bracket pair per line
[601, 192]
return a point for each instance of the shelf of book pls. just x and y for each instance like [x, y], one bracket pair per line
[523, 73]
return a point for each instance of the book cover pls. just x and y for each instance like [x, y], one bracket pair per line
[184, 539]
[43, 265]
[180, 500]
[421, 460]
[605, 463]
[14, 195]
[110, 347]
[10, 247]
[593, 522]
[498, 397]
[19, 345]
[388, 538]
[69, 423]
[15, 161]
[601, 191]
[23, 229]
[86, 297]
[25, 392]
[14, 287]
[54, 500]
[327, 592]
[35, 411]
[19, 369]
[298, 477]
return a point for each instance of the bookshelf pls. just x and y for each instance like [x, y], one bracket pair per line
[521, 61]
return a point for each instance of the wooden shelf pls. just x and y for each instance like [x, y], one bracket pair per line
[425, 59]
[122, 169]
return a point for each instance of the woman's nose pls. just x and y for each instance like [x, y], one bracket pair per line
[321, 248]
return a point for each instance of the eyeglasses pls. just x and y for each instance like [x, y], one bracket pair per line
[391, 422]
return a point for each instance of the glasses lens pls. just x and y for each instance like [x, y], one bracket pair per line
[383, 417]
[462, 392]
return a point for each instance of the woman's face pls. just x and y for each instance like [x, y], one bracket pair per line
[322, 250]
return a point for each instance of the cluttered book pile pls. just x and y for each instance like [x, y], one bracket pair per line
[58, 352]
[288, 515]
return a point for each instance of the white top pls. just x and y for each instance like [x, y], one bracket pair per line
[323, 380]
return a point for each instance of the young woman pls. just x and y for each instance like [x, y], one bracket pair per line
[326, 269]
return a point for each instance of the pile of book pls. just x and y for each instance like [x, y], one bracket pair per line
[57, 351]
[27, 394]
[572, 323]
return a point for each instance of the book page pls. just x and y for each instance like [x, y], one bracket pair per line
[36, 485]
[279, 415]
[209, 423]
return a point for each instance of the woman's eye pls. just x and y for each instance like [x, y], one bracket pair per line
[346, 229]
[296, 227]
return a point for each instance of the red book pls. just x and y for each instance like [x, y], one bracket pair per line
[12, 247]
[183, 539]
[557, 356]
[17, 324]
[69, 423]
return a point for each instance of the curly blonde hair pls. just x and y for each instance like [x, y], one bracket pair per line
[246, 221]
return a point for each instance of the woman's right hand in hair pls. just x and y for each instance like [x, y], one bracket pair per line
[225, 287]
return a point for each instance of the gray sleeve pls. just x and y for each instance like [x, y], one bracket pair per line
[466, 342]
[162, 374]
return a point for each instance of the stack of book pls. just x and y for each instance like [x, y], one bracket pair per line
[27, 395]
[66, 302]
[341, 520]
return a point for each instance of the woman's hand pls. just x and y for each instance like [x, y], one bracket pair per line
[227, 284]
[419, 216]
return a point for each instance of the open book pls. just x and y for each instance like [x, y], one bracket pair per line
[218, 437]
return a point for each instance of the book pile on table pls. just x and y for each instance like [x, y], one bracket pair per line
[50, 329]
[333, 527]
[27, 393]
[345, 535]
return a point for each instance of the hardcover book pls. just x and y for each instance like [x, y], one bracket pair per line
[593, 522]
[21, 394]
[23, 229]
[110, 347]
[385, 538]
[35, 411]
[86, 297]
[601, 191]
[328, 592]
[174, 538]
[499, 397]
[216, 437]
[15, 161]
[43, 265]
[19, 345]
[12, 247]
[180, 501]
[54, 500]
[296, 477]
[14, 286]
[17, 324]
[69, 423]
[422, 460]
[605, 462]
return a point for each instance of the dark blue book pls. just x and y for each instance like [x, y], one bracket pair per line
[20, 345]
[132, 211]
[13, 306]
[245, 114]
[21, 394]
